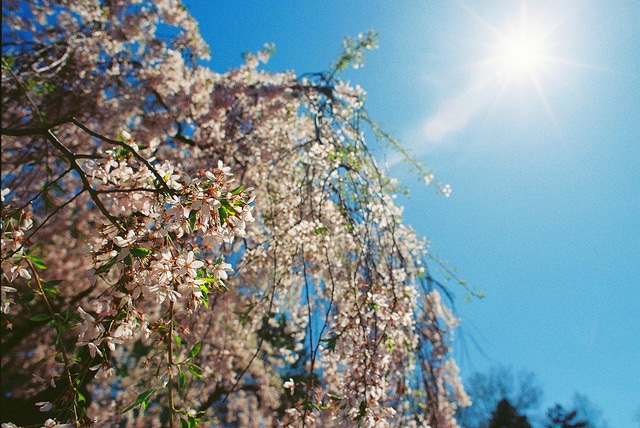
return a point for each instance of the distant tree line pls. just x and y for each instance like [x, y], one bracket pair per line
[502, 399]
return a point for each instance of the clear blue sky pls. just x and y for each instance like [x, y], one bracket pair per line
[541, 145]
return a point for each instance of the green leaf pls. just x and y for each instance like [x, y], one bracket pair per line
[191, 422]
[122, 152]
[127, 260]
[363, 410]
[107, 266]
[121, 138]
[26, 298]
[195, 370]
[183, 379]
[208, 281]
[7, 62]
[178, 339]
[195, 350]
[40, 317]
[227, 206]
[321, 230]
[204, 299]
[37, 262]
[192, 220]
[237, 190]
[223, 215]
[51, 291]
[142, 400]
[140, 252]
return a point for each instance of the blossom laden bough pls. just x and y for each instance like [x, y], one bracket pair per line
[233, 255]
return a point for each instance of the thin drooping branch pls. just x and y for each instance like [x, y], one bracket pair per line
[46, 130]
[71, 158]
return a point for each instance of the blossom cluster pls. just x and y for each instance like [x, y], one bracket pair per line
[167, 245]
[15, 226]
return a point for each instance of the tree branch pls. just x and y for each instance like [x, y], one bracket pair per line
[46, 130]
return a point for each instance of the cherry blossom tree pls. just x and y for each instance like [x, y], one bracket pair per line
[181, 246]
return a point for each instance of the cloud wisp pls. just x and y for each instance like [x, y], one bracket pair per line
[454, 113]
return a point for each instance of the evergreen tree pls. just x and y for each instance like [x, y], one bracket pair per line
[506, 416]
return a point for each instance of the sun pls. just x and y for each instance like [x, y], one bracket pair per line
[519, 56]
[518, 47]
[519, 64]
[523, 52]
[520, 53]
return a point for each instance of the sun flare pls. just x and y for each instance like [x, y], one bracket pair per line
[520, 55]
[522, 52]
[520, 62]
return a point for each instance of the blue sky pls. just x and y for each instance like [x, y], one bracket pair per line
[541, 145]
